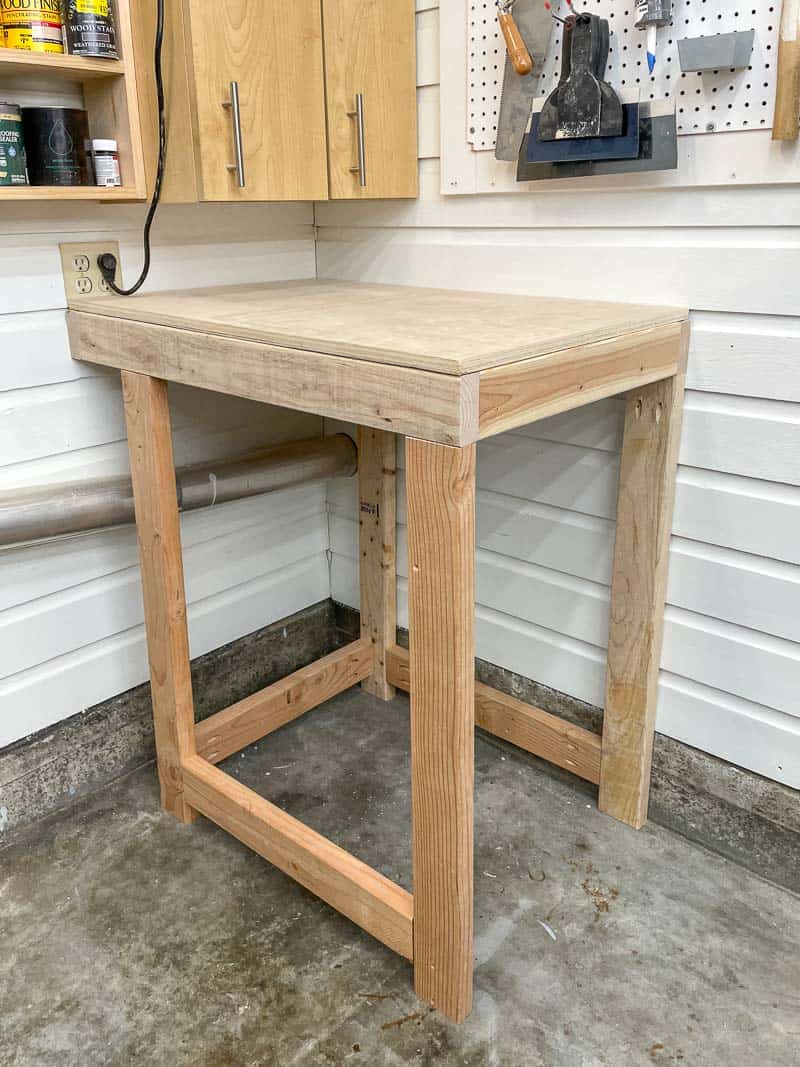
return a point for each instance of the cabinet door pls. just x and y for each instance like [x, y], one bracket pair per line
[370, 50]
[273, 50]
[181, 175]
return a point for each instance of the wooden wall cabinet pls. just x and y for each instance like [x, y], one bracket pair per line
[285, 59]
[370, 50]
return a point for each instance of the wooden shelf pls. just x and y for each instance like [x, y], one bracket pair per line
[68, 192]
[107, 91]
[77, 68]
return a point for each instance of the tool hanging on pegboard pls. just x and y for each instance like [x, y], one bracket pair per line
[714, 93]
[582, 105]
[534, 24]
[650, 16]
[515, 44]
[585, 127]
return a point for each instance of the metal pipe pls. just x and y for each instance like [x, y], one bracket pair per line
[55, 510]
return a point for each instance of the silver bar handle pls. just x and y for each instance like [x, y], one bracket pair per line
[358, 114]
[233, 106]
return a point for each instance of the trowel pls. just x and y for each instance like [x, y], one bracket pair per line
[535, 25]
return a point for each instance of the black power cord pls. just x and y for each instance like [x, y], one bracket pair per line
[107, 262]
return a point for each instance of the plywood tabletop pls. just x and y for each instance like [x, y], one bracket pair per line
[446, 331]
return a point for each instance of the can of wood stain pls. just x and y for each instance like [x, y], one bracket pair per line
[90, 28]
[33, 25]
[55, 145]
[13, 170]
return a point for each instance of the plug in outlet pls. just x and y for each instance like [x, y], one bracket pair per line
[82, 276]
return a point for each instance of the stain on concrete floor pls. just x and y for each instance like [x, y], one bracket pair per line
[127, 938]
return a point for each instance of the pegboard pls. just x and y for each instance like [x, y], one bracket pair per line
[706, 103]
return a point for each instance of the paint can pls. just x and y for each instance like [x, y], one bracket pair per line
[13, 170]
[90, 28]
[32, 25]
[55, 140]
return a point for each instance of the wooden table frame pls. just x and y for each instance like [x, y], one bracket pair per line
[432, 928]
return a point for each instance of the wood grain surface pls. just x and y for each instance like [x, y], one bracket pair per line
[241, 724]
[524, 725]
[536, 388]
[365, 896]
[377, 553]
[435, 406]
[371, 49]
[441, 527]
[274, 51]
[440, 330]
[159, 535]
[638, 590]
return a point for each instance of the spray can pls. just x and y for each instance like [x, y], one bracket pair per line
[91, 29]
[33, 25]
[13, 170]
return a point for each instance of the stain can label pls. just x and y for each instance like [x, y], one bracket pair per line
[13, 170]
[32, 25]
[90, 28]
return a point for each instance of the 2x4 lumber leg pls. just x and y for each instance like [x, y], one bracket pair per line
[377, 476]
[441, 532]
[638, 590]
[158, 530]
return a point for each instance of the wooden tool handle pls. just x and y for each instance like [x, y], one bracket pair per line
[786, 123]
[517, 49]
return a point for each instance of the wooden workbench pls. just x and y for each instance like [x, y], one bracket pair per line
[445, 369]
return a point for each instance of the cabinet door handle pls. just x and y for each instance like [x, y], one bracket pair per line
[358, 114]
[233, 106]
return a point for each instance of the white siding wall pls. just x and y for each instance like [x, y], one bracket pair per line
[730, 680]
[70, 612]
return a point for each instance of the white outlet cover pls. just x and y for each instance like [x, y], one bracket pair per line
[82, 277]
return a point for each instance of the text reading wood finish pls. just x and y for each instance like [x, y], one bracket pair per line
[241, 724]
[380, 907]
[440, 484]
[377, 522]
[528, 727]
[638, 590]
[159, 534]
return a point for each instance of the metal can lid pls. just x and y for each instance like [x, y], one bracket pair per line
[104, 146]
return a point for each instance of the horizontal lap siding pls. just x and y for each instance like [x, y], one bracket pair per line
[71, 629]
[547, 492]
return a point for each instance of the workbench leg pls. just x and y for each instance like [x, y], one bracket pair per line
[638, 589]
[441, 548]
[158, 528]
[377, 477]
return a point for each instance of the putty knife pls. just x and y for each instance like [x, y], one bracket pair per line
[536, 27]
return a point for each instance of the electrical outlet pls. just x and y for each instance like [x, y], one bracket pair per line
[82, 276]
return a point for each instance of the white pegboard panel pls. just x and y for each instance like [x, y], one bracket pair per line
[707, 102]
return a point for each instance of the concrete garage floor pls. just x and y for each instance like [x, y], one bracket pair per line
[126, 938]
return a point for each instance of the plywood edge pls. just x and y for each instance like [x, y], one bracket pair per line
[523, 392]
[441, 355]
